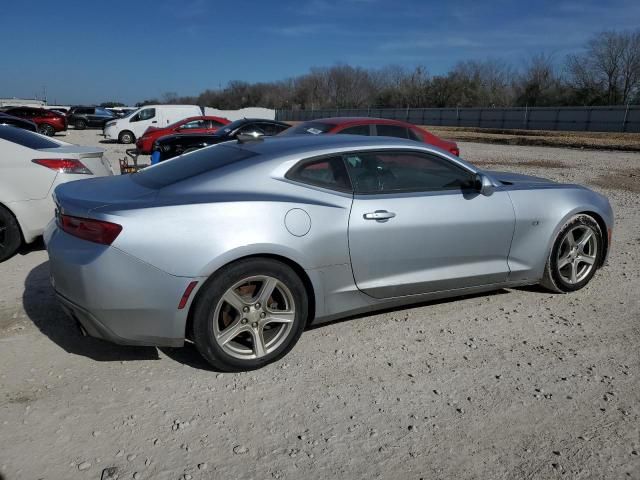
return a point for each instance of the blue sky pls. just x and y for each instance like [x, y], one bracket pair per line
[93, 51]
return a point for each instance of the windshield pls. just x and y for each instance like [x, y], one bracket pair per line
[190, 165]
[309, 128]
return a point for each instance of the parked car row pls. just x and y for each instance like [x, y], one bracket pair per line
[170, 146]
[166, 147]
[48, 122]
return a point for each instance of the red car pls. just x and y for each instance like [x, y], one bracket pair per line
[372, 127]
[48, 121]
[204, 124]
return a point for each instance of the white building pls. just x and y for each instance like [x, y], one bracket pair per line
[21, 102]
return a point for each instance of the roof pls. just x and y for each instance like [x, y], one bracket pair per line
[345, 120]
[285, 145]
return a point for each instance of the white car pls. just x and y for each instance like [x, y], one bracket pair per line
[31, 166]
[128, 128]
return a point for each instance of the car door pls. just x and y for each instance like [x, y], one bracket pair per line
[90, 115]
[417, 225]
[142, 120]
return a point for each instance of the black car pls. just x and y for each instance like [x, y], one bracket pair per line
[173, 145]
[17, 122]
[83, 117]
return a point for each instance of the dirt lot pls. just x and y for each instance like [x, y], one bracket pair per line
[516, 384]
[591, 140]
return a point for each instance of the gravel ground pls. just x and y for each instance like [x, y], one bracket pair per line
[515, 384]
[562, 139]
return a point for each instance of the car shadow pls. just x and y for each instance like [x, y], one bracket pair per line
[109, 142]
[36, 246]
[188, 355]
[42, 308]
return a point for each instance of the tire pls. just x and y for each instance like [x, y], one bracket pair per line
[226, 336]
[80, 124]
[126, 137]
[47, 130]
[10, 236]
[575, 256]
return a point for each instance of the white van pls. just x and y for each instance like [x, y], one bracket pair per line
[133, 125]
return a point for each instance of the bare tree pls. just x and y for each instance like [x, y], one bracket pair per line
[539, 83]
[609, 69]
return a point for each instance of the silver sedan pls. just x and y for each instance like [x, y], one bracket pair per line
[238, 247]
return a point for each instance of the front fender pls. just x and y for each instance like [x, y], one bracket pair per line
[540, 214]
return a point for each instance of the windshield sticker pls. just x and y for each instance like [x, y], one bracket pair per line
[314, 131]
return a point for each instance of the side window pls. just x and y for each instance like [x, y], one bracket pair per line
[193, 124]
[145, 114]
[270, 128]
[387, 172]
[102, 112]
[327, 172]
[214, 124]
[392, 131]
[251, 129]
[357, 130]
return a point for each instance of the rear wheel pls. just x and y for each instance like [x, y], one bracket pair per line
[10, 238]
[250, 314]
[126, 137]
[47, 130]
[80, 124]
[576, 254]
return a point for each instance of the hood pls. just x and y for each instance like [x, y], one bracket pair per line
[510, 178]
[150, 130]
[79, 198]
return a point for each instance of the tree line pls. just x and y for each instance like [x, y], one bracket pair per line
[605, 72]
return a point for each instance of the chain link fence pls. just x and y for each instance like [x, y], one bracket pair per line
[579, 119]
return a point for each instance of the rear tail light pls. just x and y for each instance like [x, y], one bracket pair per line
[97, 231]
[63, 165]
[455, 151]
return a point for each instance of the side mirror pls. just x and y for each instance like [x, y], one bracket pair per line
[483, 184]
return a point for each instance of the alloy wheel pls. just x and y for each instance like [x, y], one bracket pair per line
[253, 317]
[577, 254]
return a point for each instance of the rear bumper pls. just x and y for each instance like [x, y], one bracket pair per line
[115, 296]
[95, 328]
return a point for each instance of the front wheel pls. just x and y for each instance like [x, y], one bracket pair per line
[575, 256]
[80, 124]
[250, 314]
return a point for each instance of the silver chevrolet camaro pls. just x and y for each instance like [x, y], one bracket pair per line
[240, 246]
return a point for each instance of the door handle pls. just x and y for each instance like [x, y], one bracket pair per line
[379, 215]
[155, 121]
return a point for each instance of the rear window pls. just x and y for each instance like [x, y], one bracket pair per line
[191, 165]
[310, 128]
[26, 138]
